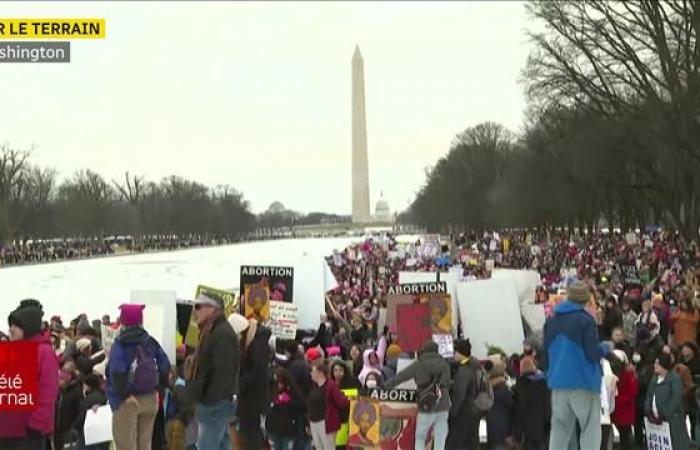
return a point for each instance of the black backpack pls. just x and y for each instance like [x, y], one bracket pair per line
[429, 396]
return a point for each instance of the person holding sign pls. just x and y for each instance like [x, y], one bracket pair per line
[664, 401]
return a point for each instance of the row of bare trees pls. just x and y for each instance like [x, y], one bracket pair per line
[613, 127]
[33, 204]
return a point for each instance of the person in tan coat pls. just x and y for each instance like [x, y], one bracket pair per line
[685, 323]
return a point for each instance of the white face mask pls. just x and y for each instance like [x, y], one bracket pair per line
[636, 358]
[371, 383]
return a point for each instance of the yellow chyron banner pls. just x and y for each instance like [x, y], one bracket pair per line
[65, 29]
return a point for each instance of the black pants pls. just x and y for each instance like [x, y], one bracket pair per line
[31, 442]
[626, 441]
[250, 432]
[533, 444]
[463, 433]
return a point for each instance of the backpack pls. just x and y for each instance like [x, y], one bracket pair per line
[429, 396]
[483, 400]
[143, 372]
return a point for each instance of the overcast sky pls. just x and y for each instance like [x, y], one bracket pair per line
[257, 95]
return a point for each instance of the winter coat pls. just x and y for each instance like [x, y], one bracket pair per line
[367, 368]
[122, 354]
[85, 364]
[463, 390]
[254, 388]
[301, 372]
[430, 365]
[651, 321]
[532, 408]
[669, 402]
[688, 384]
[16, 424]
[626, 401]
[280, 420]
[499, 419]
[685, 326]
[336, 402]
[217, 372]
[573, 350]
[68, 406]
[93, 398]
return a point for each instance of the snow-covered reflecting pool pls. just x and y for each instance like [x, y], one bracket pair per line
[99, 286]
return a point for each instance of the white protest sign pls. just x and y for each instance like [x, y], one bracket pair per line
[159, 317]
[445, 345]
[283, 320]
[490, 265]
[492, 245]
[401, 364]
[109, 334]
[98, 425]
[658, 436]
[631, 238]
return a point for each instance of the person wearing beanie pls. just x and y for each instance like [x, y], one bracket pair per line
[137, 370]
[624, 415]
[393, 352]
[86, 360]
[30, 430]
[573, 370]
[429, 367]
[463, 418]
[664, 401]
[499, 418]
[531, 395]
[214, 379]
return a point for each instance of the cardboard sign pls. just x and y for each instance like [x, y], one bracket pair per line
[260, 284]
[414, 326]
[341, 437]
[658, 436]
[19, 384]
[364, 423]
[108, 334]
[159, 317]
[393, 395]
[630, 274]
[283, 320]
[445, 345]
[440, 313]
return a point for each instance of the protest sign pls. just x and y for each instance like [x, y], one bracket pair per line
[392, 302]
[341, 437]
[260, 284]
[159, 317]
[658, 436]
[108, 333]
[283, 320]
[98, 425]
[397, 430]
[401, 364]
[19, 387]
[445, 345]
[393, 395]
[228, 297]
[364, 423]
[630, 274]
[414, 326]
[490, 264]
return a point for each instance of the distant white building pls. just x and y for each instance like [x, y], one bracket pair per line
[382, 213]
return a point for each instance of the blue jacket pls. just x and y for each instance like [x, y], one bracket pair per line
[572, 349]
[122, 354]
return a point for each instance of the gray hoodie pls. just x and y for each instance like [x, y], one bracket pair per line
[428, 366]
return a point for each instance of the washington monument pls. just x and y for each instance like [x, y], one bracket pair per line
[360, 172]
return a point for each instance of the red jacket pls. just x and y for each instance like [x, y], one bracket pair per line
[15, 424]
[626, 401]
[336, 401]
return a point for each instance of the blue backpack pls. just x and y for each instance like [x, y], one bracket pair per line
[143, 372]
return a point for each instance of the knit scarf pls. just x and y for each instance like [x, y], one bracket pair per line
[205, 329]
[250, 334]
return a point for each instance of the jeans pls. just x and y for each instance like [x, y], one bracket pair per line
[214, 420]
[437, 420]
[570, 407]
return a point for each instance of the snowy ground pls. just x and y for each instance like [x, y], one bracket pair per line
[99, 286]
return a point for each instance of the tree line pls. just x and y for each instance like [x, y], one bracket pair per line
[612, 132]
[33, 204]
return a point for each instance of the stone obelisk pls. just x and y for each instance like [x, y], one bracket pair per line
[360, 171]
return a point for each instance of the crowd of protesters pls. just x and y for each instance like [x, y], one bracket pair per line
[631, 357]
[42, 251]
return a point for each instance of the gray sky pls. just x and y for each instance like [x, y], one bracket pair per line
[257, 95]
